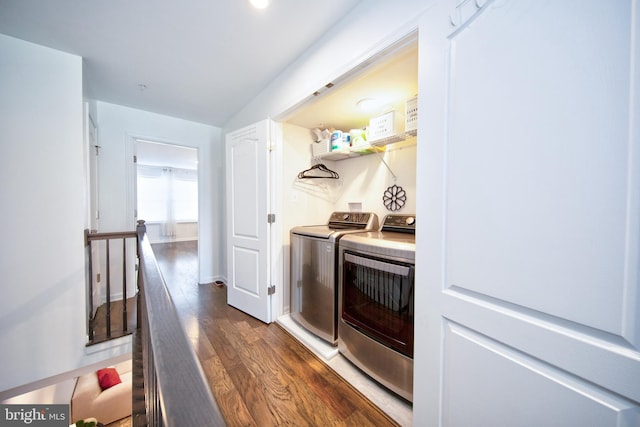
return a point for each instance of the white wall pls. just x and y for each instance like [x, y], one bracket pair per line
[117, 126]
[42, 185]
[365, 179]
[306, 201]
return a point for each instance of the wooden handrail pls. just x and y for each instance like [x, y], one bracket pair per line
[89, 238]
[175, 387]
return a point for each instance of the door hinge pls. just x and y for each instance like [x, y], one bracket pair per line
[271, 218]
[271, 290]
[135, 159]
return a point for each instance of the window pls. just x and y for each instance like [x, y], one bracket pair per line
[167, 195]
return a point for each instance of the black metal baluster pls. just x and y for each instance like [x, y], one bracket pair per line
[124, 285]
[90, 293]
[108, 292]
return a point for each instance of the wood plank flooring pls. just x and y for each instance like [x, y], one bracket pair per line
[100, 320]
[258, 374]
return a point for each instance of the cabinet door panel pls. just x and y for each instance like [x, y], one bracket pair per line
[527, 256]
[486, 381]
[537, 181]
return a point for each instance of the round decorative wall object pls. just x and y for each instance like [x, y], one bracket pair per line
[394, 198]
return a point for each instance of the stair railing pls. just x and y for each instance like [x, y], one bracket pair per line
[165, 365]
[91, 239]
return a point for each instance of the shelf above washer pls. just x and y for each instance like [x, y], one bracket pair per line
[378, 146]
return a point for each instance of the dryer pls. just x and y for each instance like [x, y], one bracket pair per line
[376, 302]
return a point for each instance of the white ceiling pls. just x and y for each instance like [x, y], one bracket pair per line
[201, 60]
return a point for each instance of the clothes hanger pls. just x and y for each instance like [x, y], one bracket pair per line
[325, 172]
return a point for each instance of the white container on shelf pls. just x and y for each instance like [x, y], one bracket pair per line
[385, 126]
[321, 147]
[411, 115]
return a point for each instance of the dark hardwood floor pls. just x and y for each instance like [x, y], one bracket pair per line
[100, 320]
[258, 373]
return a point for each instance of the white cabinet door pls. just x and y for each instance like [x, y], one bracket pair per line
[528, 261]
[247, 228]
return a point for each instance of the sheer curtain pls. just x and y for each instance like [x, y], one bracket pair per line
[169, 223]
[167, 196]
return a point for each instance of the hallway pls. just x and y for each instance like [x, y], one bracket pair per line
[258, 374]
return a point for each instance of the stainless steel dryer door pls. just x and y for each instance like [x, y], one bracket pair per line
[313, 285]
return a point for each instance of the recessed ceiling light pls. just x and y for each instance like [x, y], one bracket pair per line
[259, 4]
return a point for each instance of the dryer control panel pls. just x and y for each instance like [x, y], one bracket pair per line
[399, 223]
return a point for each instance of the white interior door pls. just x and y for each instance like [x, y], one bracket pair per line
[529, 182]
[93, 215]
[248, 236]
[93, 150]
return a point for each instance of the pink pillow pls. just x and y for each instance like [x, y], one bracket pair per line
[108, 377]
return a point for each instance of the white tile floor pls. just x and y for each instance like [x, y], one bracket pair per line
[397, 408]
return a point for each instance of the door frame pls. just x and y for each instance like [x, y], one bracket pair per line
[132, 184]
[277, 256]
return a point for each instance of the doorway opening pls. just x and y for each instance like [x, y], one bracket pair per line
[167, 191]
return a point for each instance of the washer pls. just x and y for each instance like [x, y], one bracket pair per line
[314, 273]
[376, 302]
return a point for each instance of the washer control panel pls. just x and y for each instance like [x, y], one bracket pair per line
[353, 220]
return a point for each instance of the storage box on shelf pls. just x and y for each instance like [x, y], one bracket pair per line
[385, 129]
[320, 148]
[411, 116]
